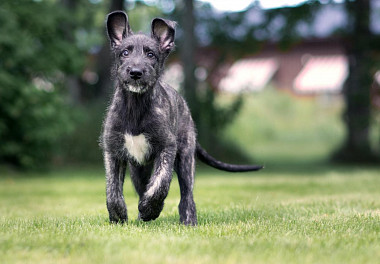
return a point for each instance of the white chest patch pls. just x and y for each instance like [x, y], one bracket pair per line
[138, 147]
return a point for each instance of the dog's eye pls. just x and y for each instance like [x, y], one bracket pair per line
[150, 54]
[125, 53]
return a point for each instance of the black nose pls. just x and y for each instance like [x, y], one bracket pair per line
[135, 73]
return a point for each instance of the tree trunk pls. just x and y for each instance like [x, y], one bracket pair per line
[188, 49]
[356, 147]
[72, 81]
[104, 86]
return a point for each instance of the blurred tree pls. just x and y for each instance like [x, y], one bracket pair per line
[210, 118]
[104, 61]
[356, 147]
[232, 34]
[72, 82]
[44, 46]
[188, 48]
[34, 57]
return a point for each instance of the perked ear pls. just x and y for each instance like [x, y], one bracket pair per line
[164, 31]
[117, 27]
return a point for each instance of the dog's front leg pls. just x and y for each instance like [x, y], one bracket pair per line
[152, 202]
[115, 173]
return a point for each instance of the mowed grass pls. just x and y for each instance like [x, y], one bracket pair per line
[300, 209]
[315, 214]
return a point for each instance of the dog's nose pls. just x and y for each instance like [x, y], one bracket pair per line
[135, 73]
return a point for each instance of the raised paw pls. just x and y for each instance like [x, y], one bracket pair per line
[150, 209]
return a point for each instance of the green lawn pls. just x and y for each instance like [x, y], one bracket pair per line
[299, 209]
[313, 214]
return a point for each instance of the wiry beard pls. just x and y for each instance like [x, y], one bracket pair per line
[135, 88]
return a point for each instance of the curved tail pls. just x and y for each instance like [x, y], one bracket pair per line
[209, 160]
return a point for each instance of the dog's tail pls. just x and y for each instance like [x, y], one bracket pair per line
[209, 160]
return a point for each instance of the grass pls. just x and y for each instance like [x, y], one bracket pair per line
[275, 126]
[300, 209]
[318, 215]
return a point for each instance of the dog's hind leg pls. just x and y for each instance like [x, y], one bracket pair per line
[152, 202]
[115, 174]
[185, 168]
[140, 176]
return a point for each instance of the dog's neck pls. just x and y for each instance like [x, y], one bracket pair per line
[137, 104]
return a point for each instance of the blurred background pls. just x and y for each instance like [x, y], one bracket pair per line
[280, 83]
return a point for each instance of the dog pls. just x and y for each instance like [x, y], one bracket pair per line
[148, 126]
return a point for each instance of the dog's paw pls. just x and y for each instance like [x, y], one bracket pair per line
[189, 219]
[189, 222]
[117, 220]
[187, 213]
[117, 211]
[149, 209]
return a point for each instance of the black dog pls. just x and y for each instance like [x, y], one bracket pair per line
[148, 126]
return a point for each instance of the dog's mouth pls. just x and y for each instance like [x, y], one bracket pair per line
[135, 86]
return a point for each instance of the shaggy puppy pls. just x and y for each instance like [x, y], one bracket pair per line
[148, 126]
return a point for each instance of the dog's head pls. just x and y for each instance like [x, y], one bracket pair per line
[139, 59]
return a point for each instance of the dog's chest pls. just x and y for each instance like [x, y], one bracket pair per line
[138, 147]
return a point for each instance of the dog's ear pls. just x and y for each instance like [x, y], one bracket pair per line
[164, 31]
[117, 27]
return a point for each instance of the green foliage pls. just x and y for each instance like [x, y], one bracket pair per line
[240, 33]
[212, 119]
[34, 56]
[82, 144]
[138, 16]
[275, 126]
[31, 123]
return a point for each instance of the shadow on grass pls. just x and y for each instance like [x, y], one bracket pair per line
[205, 218]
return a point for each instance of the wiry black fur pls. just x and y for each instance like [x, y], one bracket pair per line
[148, 126]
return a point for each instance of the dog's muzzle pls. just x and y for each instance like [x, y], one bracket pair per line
[136, 73]
[135, 87]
